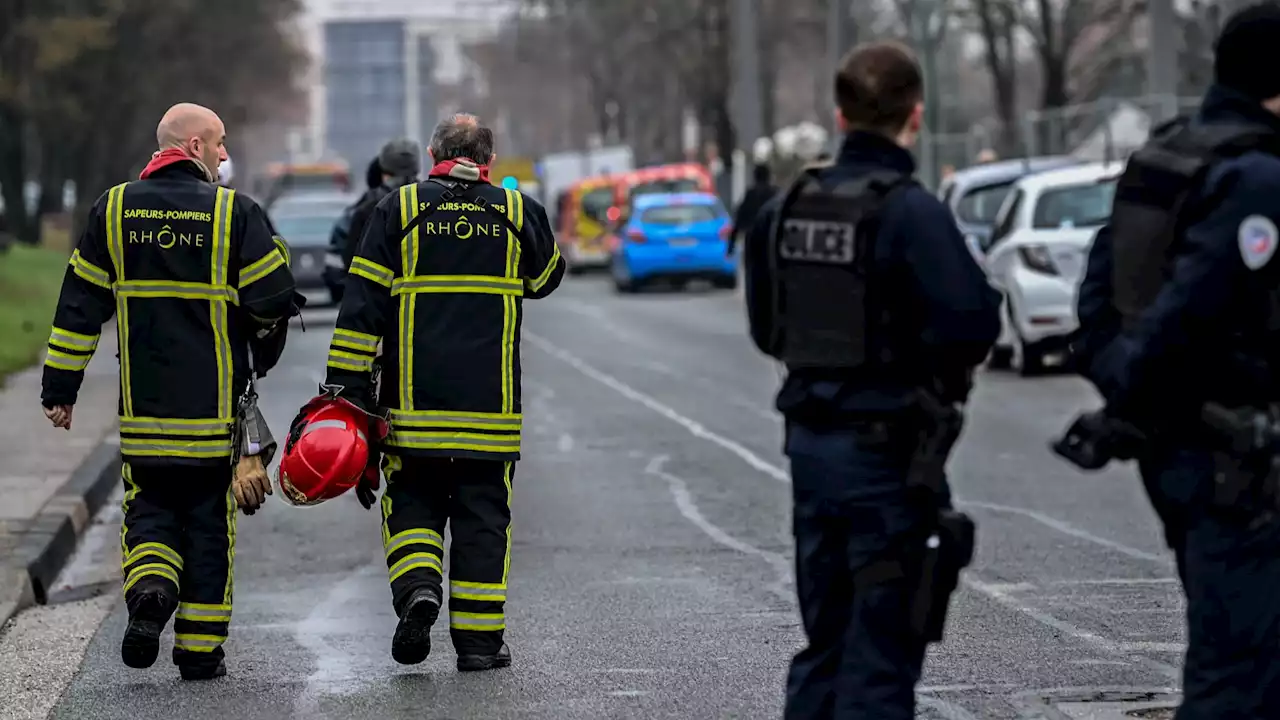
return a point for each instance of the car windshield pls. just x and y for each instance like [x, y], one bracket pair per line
[307, 230]
[980, 205]
[1075, 206]
[678, 185]
[679, 214]
[596, 204]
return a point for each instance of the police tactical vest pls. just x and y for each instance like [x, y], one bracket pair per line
[1150, 208]
[821, 257]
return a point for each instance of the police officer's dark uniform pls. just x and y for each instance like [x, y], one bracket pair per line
[858, 280]
[761, 191]
[341, 243]
[1179, 314]
[438, 280]
[192, 273]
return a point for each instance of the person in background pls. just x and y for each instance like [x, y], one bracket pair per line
[761, 191]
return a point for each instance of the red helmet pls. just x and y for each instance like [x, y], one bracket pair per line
[326, 452]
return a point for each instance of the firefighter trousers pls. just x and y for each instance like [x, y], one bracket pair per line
[474, 498]
[179, 535]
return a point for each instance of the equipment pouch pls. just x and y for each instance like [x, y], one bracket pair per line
[947, 550]
[938, 433]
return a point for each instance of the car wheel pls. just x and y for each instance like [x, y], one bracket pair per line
[726, 282]
[1028, 360]
[1001, 358]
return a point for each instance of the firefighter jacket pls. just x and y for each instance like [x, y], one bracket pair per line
[192, 272]
[438, 281]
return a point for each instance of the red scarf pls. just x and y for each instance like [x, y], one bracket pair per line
[460, 170]
[163, 159]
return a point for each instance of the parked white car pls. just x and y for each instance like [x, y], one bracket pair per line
[1037, 257]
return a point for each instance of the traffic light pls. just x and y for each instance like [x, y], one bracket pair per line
[510, 182]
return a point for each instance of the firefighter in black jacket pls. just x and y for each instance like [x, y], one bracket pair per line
[438, 280]
[194, 275]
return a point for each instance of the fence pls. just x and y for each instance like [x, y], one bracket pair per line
[1109, 129]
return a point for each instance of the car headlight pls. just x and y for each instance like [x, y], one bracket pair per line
[1037, 258]
[333, 260]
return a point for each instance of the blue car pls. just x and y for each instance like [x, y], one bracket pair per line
[673, 237]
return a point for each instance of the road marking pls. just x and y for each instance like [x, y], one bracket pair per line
[944, 709]
[755, 461]
[688, 507]
[695, 428]
[1069, 529]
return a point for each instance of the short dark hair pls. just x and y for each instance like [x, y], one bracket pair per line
[878, 86]
[462, 136]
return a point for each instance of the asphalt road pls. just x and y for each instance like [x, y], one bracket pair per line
[651, 575]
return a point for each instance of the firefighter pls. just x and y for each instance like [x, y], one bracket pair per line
[438, 281]
[194, 276]
[860, 283]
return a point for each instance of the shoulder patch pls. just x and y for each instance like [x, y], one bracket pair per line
[1257, 238]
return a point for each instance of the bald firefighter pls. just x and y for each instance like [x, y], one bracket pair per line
[194, 276]
[438, 280]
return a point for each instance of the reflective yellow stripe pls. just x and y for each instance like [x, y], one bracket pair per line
[220, 272]
[408, 304]
[73, 340]
[115, 247]
[509, 310]
[416, 561]
[260, 269]
[537, 283]
[478, 442]
[457, 284]
[283, 247]
[115, 228]
[152, 549]
[456, 419]
[506, 558]
[203, 612]
[176, 426]
[197, 643]
[350, 361]
[178, 290]
[163, 570]
[371, 270]
[66, 361]
[358, 339]
[417, 536]
[485, 592]
[88, 271]
[164, 447]
[476, 621]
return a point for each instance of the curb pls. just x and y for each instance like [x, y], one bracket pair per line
[46, 545]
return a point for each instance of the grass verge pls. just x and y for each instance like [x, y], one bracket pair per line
[30, 280]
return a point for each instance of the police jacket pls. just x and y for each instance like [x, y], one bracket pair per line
[360, 214]
[192, 272]
[444, 301]
[942, 313]
[1206, 332]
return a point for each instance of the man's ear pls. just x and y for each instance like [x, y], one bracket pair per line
[431, 157]
[916, 121]
[493, 157]
[841, 123]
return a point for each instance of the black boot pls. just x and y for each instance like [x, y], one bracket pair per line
[207, 671]
[149, 612]
[412, 642]
[473, 663]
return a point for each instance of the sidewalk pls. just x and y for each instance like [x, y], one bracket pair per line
[52, 481]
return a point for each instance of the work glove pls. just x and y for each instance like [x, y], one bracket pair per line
[250, 484]
[366, 489]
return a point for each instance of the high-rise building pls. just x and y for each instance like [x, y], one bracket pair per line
[377, 65]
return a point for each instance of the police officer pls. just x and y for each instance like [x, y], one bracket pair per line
[761, 191]
[858, 280]
[193, 274]
[400, 163]
[1178, 318]
[341, 244]
[438, 281]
